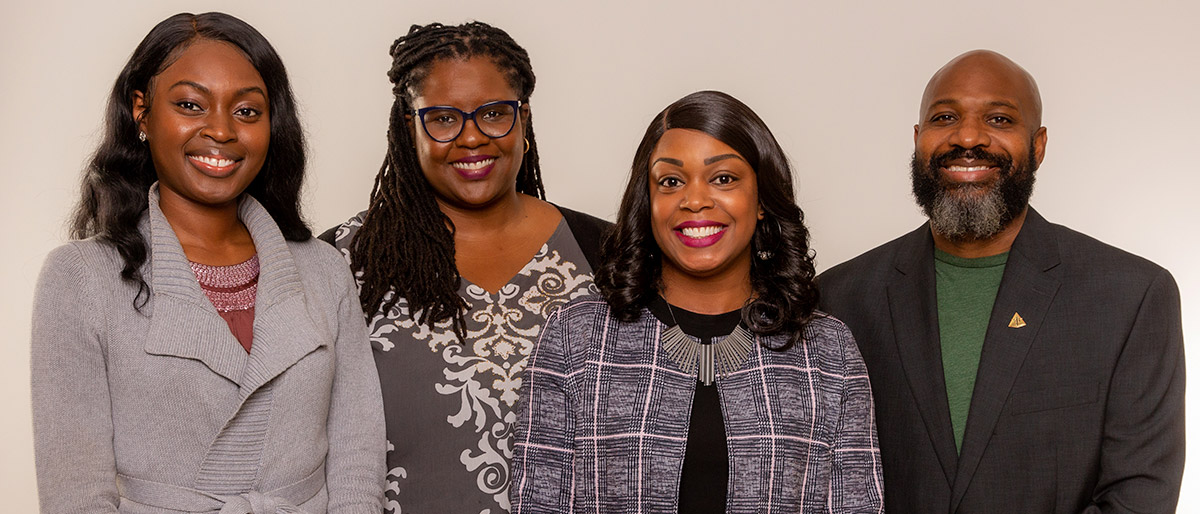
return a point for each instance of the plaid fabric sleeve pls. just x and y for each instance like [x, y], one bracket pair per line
[856, 479]
[544, 451]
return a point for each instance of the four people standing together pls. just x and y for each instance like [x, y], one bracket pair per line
[198, 351]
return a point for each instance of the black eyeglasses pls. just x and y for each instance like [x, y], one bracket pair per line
[443, 123]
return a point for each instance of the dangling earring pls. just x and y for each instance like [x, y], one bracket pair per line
[762, 236]
[141, 136]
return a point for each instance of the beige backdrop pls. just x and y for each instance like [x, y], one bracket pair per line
[838, 82]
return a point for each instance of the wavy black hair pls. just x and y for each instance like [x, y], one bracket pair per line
[116, 180]
[785, 295]
[406, 243]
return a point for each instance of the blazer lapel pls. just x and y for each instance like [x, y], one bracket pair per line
[913, 305]
[284, 331]
[1027, 291]
[183, 322]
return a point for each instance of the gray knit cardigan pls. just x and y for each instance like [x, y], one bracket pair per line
[163, 411]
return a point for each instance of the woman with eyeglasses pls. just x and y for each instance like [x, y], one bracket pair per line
[703, 380]
[459, 262]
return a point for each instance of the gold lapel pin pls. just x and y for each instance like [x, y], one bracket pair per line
[1017, 321]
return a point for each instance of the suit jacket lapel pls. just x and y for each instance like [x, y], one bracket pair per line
[913, 305]
[1027, 289]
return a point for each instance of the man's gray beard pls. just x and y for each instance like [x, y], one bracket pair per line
[962, 214]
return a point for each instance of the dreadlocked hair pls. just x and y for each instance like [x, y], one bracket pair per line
[405, 247]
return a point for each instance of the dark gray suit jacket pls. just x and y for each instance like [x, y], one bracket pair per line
[1079, 410]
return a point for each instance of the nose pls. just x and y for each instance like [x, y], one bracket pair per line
[471, 136]
[971, 133]
[696, 197]
[219, 127]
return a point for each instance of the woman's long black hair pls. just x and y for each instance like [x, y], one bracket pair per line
[784, 293]
[116, 181]
[405, 247]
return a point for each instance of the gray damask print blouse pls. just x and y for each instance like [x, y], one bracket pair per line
[450, 407]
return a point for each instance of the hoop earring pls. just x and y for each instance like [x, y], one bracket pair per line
[526, 145]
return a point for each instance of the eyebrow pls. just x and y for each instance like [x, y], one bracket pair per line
[993, 103]
[668, 160]
[251, 89]
[722, 157]
[205, 90]
[710, 160]
[190, 84]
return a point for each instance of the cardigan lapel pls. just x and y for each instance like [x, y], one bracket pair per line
[284, 331]
[1027, 289]
[913, 305]
[185, 324]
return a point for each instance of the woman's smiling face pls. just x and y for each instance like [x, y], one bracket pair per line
[703, 206]
[473, 170]
[207, 123]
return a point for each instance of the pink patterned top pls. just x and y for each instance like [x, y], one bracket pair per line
[232, 290]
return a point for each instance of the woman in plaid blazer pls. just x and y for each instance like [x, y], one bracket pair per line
[704, 380]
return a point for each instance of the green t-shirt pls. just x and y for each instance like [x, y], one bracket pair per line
[966, 291]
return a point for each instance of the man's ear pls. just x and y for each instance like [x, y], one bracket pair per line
[1039, 145]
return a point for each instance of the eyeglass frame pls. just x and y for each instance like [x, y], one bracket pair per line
[469, 116]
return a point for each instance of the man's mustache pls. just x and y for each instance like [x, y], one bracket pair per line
[940, 160]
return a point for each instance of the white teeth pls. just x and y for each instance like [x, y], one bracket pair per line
[477, 165]
[215, 162]
[699, 232]
[966, 169]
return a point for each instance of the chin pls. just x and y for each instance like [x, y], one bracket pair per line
[702, 268]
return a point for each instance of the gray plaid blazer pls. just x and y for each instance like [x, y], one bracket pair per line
[603, 421]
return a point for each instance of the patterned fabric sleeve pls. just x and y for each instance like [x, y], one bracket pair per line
[856, 480]
[544, 453]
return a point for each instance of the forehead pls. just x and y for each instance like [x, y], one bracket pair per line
[689, 145]
[464, 83]
[981, 81]
[212, 64]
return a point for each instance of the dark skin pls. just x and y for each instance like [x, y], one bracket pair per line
[696, 181]
[981, 99]
[493, 243]
[208, 127]
[497, 229]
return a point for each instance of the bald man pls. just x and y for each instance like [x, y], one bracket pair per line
[1017, 365]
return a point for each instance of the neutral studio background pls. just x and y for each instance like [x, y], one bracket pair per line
[838, 82]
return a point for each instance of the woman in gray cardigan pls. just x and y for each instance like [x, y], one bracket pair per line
[197, 350]
[704, 380]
